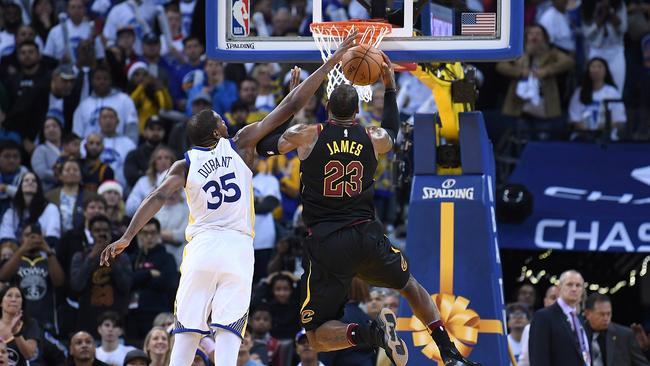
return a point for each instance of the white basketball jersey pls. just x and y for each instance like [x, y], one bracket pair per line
[219, 190]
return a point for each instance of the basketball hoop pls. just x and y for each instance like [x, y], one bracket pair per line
[329, 35]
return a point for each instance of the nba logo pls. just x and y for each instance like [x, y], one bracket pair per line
[240, 19]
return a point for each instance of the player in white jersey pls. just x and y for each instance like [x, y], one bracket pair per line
[217, 268]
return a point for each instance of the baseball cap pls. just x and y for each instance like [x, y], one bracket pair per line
[300, 335]
[154, 120]
[203, 97]
[65, 71]
[150, 38]
[136, 354]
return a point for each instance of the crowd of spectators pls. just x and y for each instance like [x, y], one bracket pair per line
[94, 97]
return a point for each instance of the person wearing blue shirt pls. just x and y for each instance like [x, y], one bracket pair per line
[187, 74]
[223, 92]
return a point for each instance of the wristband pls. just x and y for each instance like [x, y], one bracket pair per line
[390, 90]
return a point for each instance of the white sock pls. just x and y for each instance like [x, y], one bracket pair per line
[184, 348]
[226, 348]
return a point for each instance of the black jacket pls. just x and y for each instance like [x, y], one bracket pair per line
[154, 293]
[552, 342]
[621, 347]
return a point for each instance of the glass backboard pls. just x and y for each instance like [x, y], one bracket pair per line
[438, 30]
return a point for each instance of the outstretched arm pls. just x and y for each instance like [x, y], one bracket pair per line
[250, 135]
[174, 180]
[384, 137]
[296, 136]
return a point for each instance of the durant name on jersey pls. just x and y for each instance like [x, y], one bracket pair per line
[212, 165]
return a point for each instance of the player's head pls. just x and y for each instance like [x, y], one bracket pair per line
[344, 103]
[205, 128]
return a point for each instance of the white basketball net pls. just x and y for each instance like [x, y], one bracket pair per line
[329, 35]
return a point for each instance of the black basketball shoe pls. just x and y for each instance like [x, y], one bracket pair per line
[383, 330]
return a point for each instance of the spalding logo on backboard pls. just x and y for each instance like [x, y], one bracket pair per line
[240, 18]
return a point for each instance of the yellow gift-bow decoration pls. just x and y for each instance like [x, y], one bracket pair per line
[462, 324]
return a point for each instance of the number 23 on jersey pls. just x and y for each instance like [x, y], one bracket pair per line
[340, 179]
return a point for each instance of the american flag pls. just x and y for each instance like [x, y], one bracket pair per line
[478, 24]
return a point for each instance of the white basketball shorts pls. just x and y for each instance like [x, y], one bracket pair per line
[216, 280]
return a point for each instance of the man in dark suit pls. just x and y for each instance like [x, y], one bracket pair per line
[557, 335]
[611, 344]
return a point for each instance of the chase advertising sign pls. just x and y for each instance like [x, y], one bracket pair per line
[587, 197]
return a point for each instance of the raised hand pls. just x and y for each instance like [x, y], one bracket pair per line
[641, 336]
[295, 78]
[388, 74]
[17, 323]
[112, 251]
[347, 43]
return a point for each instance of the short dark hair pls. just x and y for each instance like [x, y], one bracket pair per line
[344, 101]
[111, 316]
[201, 125]
[66, 160]
[108, 108]
[547, 38]
[99, 218]
[191, 38]
[28, 42]
[95, 198]
[518, 306]
[154, 221]
[69, 137]
[262, 307]
[102, 68]
[248, 78]
[9, 145]
[281, 277]
[594, 298]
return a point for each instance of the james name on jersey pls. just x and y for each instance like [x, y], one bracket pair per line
[345, 146]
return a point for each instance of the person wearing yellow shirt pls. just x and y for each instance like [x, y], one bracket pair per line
[149, 95]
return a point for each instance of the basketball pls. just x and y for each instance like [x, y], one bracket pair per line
[362, 64]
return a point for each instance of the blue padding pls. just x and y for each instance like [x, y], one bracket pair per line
[424, 143]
